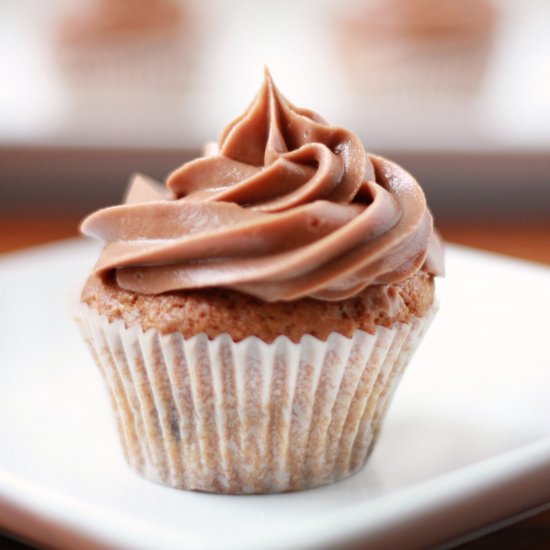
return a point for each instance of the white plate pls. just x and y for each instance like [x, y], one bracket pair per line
[466, 442]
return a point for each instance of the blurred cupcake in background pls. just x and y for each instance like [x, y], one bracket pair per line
[417, 47]
[126, 49]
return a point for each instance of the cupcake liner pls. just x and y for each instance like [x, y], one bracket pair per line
[248, 417]
[410, 70]
[144, 80]
[154, 64]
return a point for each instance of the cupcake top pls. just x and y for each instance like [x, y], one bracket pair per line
[285, 206]
[414, 20]
[110, 22]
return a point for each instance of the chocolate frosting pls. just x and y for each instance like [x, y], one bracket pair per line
[285, 206]
[425, 19]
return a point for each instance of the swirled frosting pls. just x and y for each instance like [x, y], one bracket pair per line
[284, 206]
[425, 19]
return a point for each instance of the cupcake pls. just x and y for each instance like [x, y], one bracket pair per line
[124, 53]
[408, 47]
[253, 317]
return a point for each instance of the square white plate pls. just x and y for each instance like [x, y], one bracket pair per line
[466, 442]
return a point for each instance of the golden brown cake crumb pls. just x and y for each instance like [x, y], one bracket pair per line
[215, 311]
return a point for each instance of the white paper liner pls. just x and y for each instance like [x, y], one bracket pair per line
[405, 70]
[158, 63]
[146, 80]
[248, 417]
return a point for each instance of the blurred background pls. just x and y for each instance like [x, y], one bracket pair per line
[458, 91]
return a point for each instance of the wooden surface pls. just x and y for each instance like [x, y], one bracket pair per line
[531, 242]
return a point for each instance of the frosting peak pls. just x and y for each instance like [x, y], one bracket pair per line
[285, 206]
[276, 156]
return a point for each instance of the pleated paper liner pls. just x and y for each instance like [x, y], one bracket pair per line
[248, 417]
[412, 72]
[130, 81]
[157, 62]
